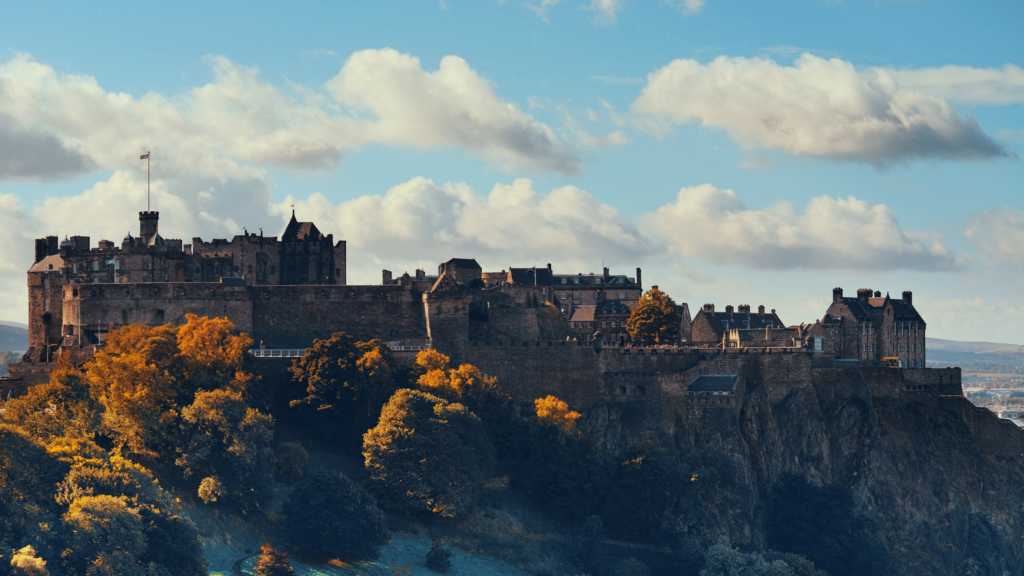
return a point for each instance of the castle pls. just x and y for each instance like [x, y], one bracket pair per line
[538, 331]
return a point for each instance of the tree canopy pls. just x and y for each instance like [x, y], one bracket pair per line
[655, 319]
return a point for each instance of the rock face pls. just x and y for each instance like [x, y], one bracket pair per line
[859, 483]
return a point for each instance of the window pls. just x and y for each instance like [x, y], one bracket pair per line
[725, 324]
[74, 268]
[613, 323]
[604, 323]
[46, 304]
[564, 280]
[95, 265]
[563, 295]
[746, 323]
[597, 281]
[817, 344]
[622, 295]
[590, 324]
[576, 280]
[575, 295]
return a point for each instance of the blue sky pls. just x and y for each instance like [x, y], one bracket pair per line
[740, 152]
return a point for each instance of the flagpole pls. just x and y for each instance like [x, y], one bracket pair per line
[147, 180]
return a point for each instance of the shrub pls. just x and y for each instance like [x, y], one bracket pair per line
[426, 454]
[108, 538]
[644, 487]
[330, 516]
[439, 558]
[563, 474]
[210, 489]
[273, 562]
[724, 560]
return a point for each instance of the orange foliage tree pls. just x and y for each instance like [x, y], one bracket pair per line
[553, 410]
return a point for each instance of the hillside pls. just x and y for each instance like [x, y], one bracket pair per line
[955, 353]
[13, 338]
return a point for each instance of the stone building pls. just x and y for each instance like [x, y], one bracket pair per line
[709, 328]
[302, 256]
[871, 327]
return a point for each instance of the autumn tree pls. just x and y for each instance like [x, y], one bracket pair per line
[108, 538]
[655, 319]
[212, 356]
[427, 454]
[478, 392]
[330, 516]
[132, 378]
[224, 439]
[60, 407]
[273, 562]
[553, 410]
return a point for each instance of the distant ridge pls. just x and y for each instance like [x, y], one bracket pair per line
[13, 324]
[956, 353]
[13, 338]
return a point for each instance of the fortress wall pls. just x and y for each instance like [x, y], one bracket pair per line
[103, 305]
[942, 381]
[292, 316]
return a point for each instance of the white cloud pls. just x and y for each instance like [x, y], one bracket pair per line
[420, 223]
[995, 86]
[239, 120]
[973, 319]
[838, 234]
[687, 6]
[453, 106]
[998, 235]
[818, 108]
[542, 10]
[607, 10]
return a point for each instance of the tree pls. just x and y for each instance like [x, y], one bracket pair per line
[655, 318]
[439, 557]
[426, 454]
[212, 356]
[643, 487]
[108, 537]
[330, 516]
[273, 562]
[26, 563]
[564, 473]
[57, 408]
[553, 410]
[225, 439]
[724, 560]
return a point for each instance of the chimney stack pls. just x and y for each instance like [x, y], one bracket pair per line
[709, 308]
[639, 283]
[728, 310]
[908, 296]
[863, 294]
[760, 311]
[549, 266]
[744, 308]
[878, 293]
[386, 277]
[837, 295]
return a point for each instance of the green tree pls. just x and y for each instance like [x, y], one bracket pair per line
[273, 562]
[426, 454]
[225, 439]
[644, 486]
[656, 318]
[724, 560]
[563, 472]
[330, 516]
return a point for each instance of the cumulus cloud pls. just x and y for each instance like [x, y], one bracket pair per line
[998, 235]
[238, 121]
[541, 10]
[839, 234]
[453, 106]
[818, 107]
[420, 223]
[607, 10]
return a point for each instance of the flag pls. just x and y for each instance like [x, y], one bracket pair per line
[144, 156]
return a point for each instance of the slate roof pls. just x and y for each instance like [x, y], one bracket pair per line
[583, 314]
[44, 265]
[300, 230]
[525, 276]
[613, 307]
[736, 321]
[713, 383]
[900, 308]
[465, 263]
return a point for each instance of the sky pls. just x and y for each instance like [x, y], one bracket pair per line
[739, 152]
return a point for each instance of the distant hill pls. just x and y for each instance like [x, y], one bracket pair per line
[15, 324]
[957, 353]
[13, 338]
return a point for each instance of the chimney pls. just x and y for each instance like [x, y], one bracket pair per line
[549, 266]
[386, 277]
[655, 287]
[606, 275]
[639, 284]
[908, 296]
[760, 311]
[52, 244]
[420, 274]
[863, 294]
[709, 308]
[728, 310]
[744, 308]
[80, 243]
[878, 294]
[148, 224]
[837, 295]
[41, 249]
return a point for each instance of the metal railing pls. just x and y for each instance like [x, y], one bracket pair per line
[409, 348]
[277, 352]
